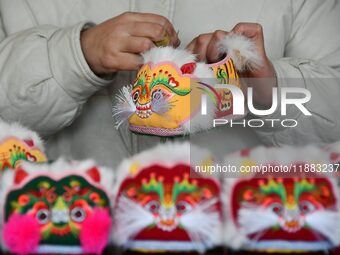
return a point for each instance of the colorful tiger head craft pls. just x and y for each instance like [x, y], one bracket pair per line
[166, 97]
[162, 206]
[18, 144]
[56, 208]
[279, 211]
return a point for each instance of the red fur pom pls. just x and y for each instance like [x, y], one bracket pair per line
[21, 234]
[188, 68]
[95, 232]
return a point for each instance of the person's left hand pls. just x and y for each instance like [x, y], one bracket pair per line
[205, 46]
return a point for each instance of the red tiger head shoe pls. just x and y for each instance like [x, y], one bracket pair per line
[162, 206]
[272, 210]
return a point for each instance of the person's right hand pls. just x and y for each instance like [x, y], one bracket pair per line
[116, 44]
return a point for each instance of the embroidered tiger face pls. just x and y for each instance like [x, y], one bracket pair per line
[156, 91]
[300, 209]
[63, 210]
[162, 204]
[164, 91]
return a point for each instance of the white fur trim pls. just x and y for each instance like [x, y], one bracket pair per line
[179, 57]
[15, 129]
[164, 54]
[204, 71]
[243, 52]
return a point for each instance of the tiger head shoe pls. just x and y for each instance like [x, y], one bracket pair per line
[173, 94]
[163, 205]
[63, 208]
[282, 201]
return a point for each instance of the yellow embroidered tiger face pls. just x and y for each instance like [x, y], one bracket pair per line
[161, 96]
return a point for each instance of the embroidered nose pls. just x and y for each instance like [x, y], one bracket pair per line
[292, 215]
[167, 213]
[60, 212]
[60, 216]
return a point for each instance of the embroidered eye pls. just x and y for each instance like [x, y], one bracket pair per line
[183, 207]
[78, 214]
[306, 207]
[153, 206]
[135, 96]
[42, 216]
[276, 208]
[157, 95]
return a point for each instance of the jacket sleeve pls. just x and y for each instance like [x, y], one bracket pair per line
[312, 61]
[44, 77]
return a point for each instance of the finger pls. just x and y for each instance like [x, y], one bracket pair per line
[200, 45]
[253, 31]
[154, 18]
[191, 46]
[177, 43]
[154, 31]
[249, 30]
[134, 44]
[214, 53]
[129, 62]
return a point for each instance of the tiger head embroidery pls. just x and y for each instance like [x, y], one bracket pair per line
[57, 212]
[283, 211]
[164, 208]
[296, 210]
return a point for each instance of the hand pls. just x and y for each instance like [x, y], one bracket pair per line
[205, 46]
[116, 44]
